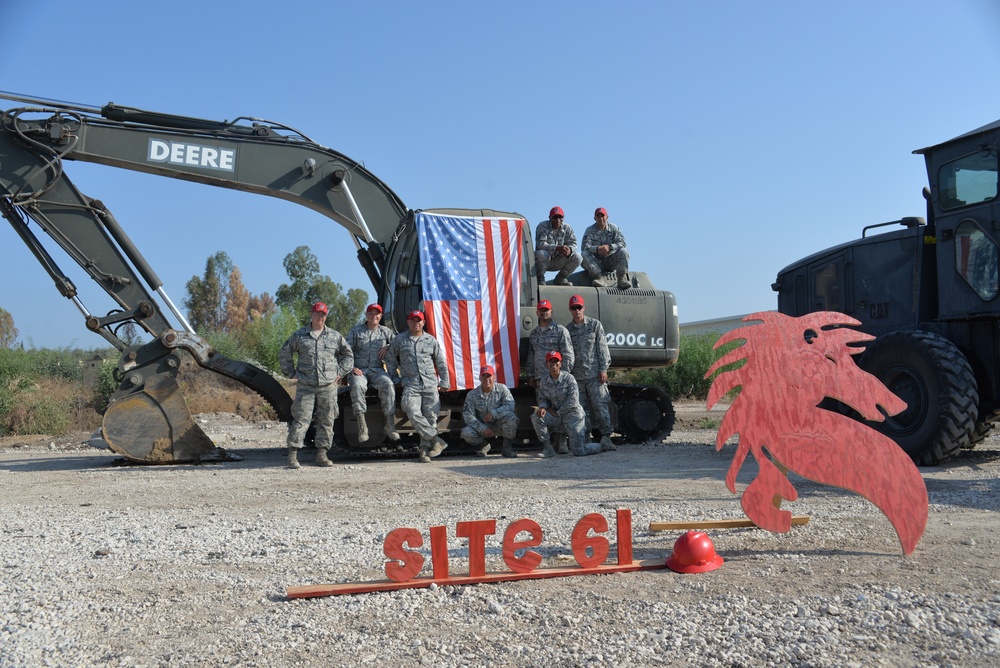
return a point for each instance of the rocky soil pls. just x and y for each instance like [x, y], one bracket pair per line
[105, 565]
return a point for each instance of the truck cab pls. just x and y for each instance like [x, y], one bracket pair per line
[928, 290]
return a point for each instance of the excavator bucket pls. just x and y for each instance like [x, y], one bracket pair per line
[155, 426]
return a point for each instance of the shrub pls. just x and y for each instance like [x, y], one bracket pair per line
[686, 378]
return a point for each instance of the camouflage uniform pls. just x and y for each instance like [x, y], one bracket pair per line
[322, 361]
[592, 357]
[616, 260]
[420, 361]
[366, 343]
[500, 403]
[546, 241]
[561, 400]
[545, 339]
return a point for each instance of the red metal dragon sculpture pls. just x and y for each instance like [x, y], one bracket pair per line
[792, 364]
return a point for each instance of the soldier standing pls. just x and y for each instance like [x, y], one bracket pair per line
[555, 248]
[590, 368]
[370, 342]
[489, 413]
[422, 370]
[545, 337]
[604, 251]
[323, 357]
[559, 410]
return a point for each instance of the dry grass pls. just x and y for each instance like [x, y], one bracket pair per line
[209, 392]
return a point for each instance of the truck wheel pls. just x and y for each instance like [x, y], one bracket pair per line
[935, 380]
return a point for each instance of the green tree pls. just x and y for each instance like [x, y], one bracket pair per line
[206, 296]
[309, 286]
[8, 332]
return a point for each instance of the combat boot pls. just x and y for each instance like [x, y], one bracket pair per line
[424, 457]
[599, 282]
[362, 427]
[562, 278]
[322, 459]
[293, 458]
[547, 450]
[507, 450]
[607, 445]
[561, 446]
[390, 428]
[623, 282]
[482, 452]
[437, 446]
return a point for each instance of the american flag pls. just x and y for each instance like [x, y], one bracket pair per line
[472, 293]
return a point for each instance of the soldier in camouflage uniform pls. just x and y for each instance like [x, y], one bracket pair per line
[422, 369]
[547, 336]
[489, 413]
[323, 358]
[604, 251]
[555, 248]
[370, 343]
[590, 368]
[559, 411]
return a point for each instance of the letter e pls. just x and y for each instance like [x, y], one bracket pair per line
[511, 545]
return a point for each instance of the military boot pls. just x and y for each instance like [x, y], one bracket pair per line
[483, 451]
[362, 427]
[561, 447]
[293, 458]
[322, 459]
[547, 450]
[624, 283]
[598, 282]
[562, 278]
[507, 450]
[390, 428]
[607, 445]
[437, 446]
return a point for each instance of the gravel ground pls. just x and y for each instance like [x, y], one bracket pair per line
[189, 565]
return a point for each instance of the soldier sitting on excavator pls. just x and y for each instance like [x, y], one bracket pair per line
[556, 248]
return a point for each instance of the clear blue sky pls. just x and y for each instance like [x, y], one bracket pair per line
[726, 138]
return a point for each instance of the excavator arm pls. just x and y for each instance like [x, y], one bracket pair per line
[148, 419]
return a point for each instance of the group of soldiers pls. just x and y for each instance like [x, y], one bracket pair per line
[603, 255]
[567, 366]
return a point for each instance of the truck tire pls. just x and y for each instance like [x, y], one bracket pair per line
[935, 380]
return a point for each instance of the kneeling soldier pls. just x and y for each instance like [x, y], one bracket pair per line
[489, 413]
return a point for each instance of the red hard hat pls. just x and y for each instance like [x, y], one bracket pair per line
[556, 211]
[694, 553]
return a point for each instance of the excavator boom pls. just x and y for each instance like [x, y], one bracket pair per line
[148, 419]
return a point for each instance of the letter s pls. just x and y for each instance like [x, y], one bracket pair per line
[410, 562]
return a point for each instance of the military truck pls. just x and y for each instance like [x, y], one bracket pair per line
[927, 288]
